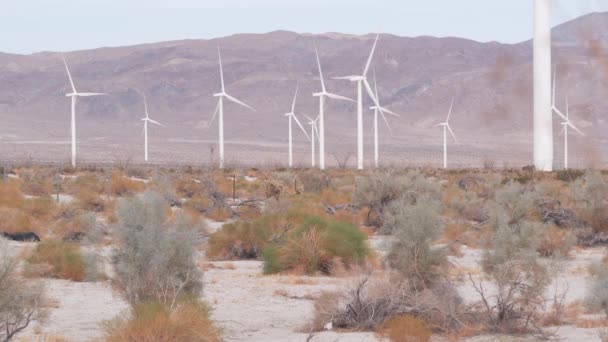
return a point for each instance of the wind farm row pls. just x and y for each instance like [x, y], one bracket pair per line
[367, 91]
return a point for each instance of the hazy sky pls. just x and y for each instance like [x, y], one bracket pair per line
[28, 26]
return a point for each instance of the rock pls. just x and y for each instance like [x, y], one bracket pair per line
[22, 237]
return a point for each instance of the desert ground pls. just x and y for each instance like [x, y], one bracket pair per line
[247, 303]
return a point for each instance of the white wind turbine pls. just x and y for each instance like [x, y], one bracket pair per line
[291, 115]
[220, 109]
[322, 95]
[362, 81]
[566, 123]
[314, 132]
[378, 109]
[446, 128]
[146, 120]
[75, 94]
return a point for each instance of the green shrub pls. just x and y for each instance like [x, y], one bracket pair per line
[317, 245]
[412, 255]
[56, 259]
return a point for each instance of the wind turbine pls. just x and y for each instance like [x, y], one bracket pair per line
[566, 123]
[543, 119]
[446, 128]
[322, 95]
[146, 120]
[362, 81]
[381, 110]
[220, 109]
[75, 94]
[314, 134]
[291, 115]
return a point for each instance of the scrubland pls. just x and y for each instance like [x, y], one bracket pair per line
[192, 254]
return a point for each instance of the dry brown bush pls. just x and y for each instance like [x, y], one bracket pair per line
[405, 328]
[57, 260]
[153, 322]
[122, 185]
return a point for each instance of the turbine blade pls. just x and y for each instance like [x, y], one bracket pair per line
[370, 92]
[563, 130]
[569, 123]
[452, 133]
[386, 121]
[558, 112]
[389, 112]
[376, 88]
[219, 54]
[371, 56]
[91, 94]
[238, 102]
[217, 108]
[450, 112]
[301, 127]
[319, 65]
[338, 97]
[146, 106]
[156, 123]
[344, 77]
[69, 75]
[295, 96]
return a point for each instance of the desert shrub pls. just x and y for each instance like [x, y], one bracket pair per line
[10, 195]
[569, 175]
[41, 208]
[36, 187]
[590, 193]
[88, 183]
[219, 214]
[78, 227]
[380, 189]
[187, 187]
[513, 204]
[317, 245]
[122, 185]
[156, 258]
[554, 241]
[166, 189]
[199, 202]
[371, 302]
[247, 239]
[313, 181]
[56, 259]
[412, 255]
[90, 201]
[21, 302]
[154, 322]
[520, 277]
[15, 221]
[469, 206]
[597, 295]
[405, 328]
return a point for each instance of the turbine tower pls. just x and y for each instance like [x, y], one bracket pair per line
[147, 120]
[291, 115]
[381, 110]
[220, 109]
[322, 95]
[446, 128]
[566, 123]
[314, 134]
[75, 94]
[543, 120]
[361, 81]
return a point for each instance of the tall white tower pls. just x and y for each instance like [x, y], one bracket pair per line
[543, 119]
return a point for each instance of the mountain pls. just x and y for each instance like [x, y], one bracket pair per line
[417, 77]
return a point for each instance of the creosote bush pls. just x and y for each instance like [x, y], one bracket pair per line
[155, 260]
[405, 328]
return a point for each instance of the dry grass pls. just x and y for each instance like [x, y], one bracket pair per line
[56, 260]
[122, 185]
[219, 214]
[405, 328]
[152, 322]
